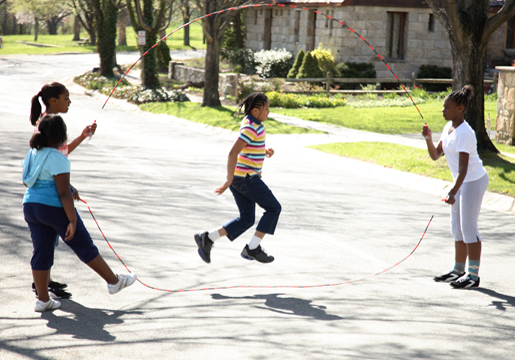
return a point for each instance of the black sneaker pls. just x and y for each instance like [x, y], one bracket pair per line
[448, 277]
[204, 246]
[52, 284]
[257, 254]
[465, 283]
[59, 293]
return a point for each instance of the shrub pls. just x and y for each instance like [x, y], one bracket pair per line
[434, 72]
[241, 59]
[297, 101]
[292, 74]
[325, 61]
[309, 68]
[356, 70]
[273, 63]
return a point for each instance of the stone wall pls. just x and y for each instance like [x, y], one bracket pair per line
[423, 47]
[177, 71]
[505, 122]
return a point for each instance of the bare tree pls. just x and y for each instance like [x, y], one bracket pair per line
[153, 21]
[469, 28]
[86, 14]
[186, 11]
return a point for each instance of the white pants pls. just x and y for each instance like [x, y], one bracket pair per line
[465, 211]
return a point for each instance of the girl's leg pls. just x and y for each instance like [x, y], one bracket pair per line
[101, 268]
[41, 280]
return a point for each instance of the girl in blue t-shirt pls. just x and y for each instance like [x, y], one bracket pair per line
[49, 211]
[459, 145]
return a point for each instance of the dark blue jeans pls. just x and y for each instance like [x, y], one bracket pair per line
[248, 192]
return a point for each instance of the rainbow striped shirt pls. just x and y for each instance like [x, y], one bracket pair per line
[250, 159]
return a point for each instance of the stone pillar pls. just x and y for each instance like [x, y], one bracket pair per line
[505, 122]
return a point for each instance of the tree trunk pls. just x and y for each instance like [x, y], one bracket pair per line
[106, 31]
[469, 54]
[185, 9]
[76, 28]
[52, 26]
[122, 24]
[238, 29]
[211, 76]
[36, 29]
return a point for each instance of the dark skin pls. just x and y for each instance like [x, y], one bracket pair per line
[62, 184]
[453, 112]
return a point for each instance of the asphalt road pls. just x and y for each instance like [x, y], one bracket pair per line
[150, 180]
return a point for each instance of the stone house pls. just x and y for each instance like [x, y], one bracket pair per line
[404, 32]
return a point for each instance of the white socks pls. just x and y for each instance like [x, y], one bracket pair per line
[254, 242]
[214, 235]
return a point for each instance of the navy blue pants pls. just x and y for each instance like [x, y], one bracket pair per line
[45, 223]
[248, 192]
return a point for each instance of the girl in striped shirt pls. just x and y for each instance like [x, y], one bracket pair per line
[244, 170]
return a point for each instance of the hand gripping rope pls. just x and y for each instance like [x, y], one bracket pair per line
[264, 286]
[259, 286]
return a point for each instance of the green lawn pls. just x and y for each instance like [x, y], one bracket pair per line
[385, 120]
[500, 168]
[13, 43]
[222, 117]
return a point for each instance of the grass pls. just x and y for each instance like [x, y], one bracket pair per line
[13, 46]
[222, 117]
[384, 120]
[500, 168]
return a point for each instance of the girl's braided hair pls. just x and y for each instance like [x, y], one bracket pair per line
[252, 101]
[461, 97]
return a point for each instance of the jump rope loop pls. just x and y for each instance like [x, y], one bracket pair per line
[275, 286]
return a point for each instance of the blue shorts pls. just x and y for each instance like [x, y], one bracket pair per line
[45, 223]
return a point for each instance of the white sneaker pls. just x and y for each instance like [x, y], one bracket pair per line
[42, 306]
[123, 282]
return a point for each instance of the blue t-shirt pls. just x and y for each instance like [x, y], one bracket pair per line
[39, 168]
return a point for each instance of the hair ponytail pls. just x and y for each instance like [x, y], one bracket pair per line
[35, 109]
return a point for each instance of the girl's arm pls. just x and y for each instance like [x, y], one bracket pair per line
[462, 172]
[434, 152]
[232, 160]
[62, 184]
[88, 130]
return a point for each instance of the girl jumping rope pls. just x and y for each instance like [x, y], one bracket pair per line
[470, 180]
[49, 211]
[56, 98]
[244, 165]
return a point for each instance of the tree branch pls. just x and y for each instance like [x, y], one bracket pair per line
[507, 11]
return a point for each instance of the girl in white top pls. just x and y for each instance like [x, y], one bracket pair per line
[459, 145]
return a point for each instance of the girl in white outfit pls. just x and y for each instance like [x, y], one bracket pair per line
[459, 145]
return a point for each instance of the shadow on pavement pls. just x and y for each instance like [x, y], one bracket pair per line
[287, 306]
[499, 305]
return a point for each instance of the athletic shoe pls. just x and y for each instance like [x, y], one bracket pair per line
[257, 254]
[52, 284]
[465, 283]
[123, 282]
[448, 277]
[60, 293]
[51, 304]
[204, 246]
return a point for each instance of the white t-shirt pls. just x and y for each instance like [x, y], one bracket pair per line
[462, 139]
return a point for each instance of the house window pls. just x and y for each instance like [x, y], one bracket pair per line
[431, 24]
[395, 38]
[510, 34]
[255, 18]
[296, 29]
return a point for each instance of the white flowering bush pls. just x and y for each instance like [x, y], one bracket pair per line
[398, 101]
[273, 63]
